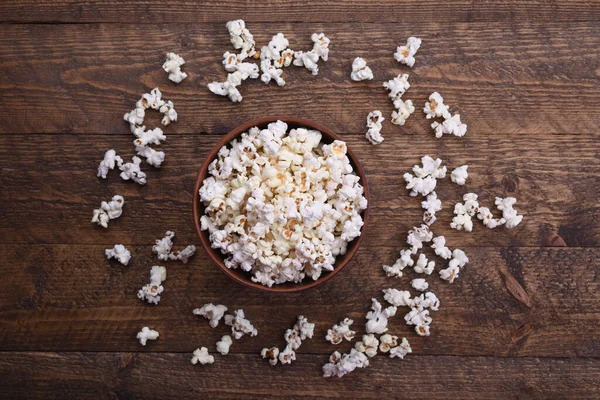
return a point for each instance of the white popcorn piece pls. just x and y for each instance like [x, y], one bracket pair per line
[162, 247]
[439, 245]
[271, 72]
[304, 328]
[147, 334]
[397, 86]
[120, 253]
[427, 300]
[241, 38]
[406, 54]
[460, 175]
[419, 284]
[240, 326]
[132, 171]
[464, 211]
[341, 331]
[111, 159]
[342, 364]
[307, 59]
[459, 259]
[229, 87]
[154, 101]
[287, 355]
[151, 292]
[153, 157]
[401, 350]
[509, 214]
[172, 66]
[270, 354]
[431, 205]
[377, 318]
[424, 266]
[321, 45]
[169, 113]
[202, 356]
[360, 70]
[368, 345]
[224, 344]
[387, 342]
[398, 298]
[449, 274]
[212, 312]
[144, 137]
[425, 179]
[404, 261]
[450, 126]
[420, 319]
[486, 216]
[108, 210]
[374, 125]
[404, 109]
[183, 255]
[435, 107]
[417, 236]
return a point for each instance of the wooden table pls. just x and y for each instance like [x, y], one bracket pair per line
[520, 322]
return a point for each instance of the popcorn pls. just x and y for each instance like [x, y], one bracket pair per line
[144, 138]
[464, 212]
[241, 38]
[240, 326]
[120, 253]
[424, 266]
[459, 260]
[420, 319]
[309, 59]
[439, 245]
[229, 87]
[170, 115]
[183, 255]
[417, 236]
[304, 328]
[341, 331]
[420, 284]
[146, 334]
[486, 216]
[435, 107]
[270, 72]
[387, 342]
[340, 365]
[271, 354]
[282, 205]
[404, 261]
[402, 350]
[151, 292]
[427, 300]
[398, 298]
[425, 179]
[212, 312]
[162, 248]
[224, 344]
[360, 70]
[397, 86]
[287, 355]
[509, 214]
[374, 125]
[172, 66]
[132, 171]
[431, 206]
[154, 101]
[201, 356]
[108, 210]
[368, 345]
[449, 274]
[377, 318]
[406, 54]
[110, 160]
[460, 175]
[450, 126]
[404, 109]
[321, 45]
[153, 157]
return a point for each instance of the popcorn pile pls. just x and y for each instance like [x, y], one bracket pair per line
[282, 205]
[301, 330]
[273, 57]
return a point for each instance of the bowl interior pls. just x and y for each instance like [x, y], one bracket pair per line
[244, 277]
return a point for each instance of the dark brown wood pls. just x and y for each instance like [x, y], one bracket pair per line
[505, 80]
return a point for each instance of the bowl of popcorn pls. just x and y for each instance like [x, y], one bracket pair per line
[280, 204]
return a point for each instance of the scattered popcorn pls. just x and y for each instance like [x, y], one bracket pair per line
[272, 59]
[270, 72]
[435, 107]
[271, 354]
[304, 328]
[450, 126]
[368, 345]
[340, 365]
[229, 87]
[144, 138]
[398, 298]
[431, 206]
[397, 86]
[449, 274]
[420, 284]
[132, 171]
[420, 319]
[387, 342]
[241, 38]
[153, 157]
[172, 66]
[486, 216]
[151, 292]
[224, 344]
[402, 350]
[282, 206]
[459, 260]
[340, 331]
[321, 45]
[460, 175]
[374, 125]
[240, 326]
[212, 312]
[309, 59]
[417, 236]
[463, 213]
[169, 113]
[404, 261]
[424, 266]
[110, 160]
[183, 255]
[201, 356]
[425, 179]
[509, 214]
[287, 355]
[426, 300]
[162, 248]
[377, 318]
[439, 245]
[404, 109]
[120, 253]
[360, 70]
[108, 210]
[146, 334]
[406, 54]
[154, 101]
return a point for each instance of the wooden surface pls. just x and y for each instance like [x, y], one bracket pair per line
[520, 322]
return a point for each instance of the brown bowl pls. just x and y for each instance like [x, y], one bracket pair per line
[244, 277]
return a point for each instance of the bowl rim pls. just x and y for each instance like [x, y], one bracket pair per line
[216, 256]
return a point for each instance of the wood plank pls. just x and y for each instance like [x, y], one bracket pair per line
[134, 375]
[505, 79]
[69, 298]
[52, 180]
[185, 11]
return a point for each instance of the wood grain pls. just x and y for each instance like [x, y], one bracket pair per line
[503, 79]
[186, 11]
[52, 179]
[69, 298]
[114, 375]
